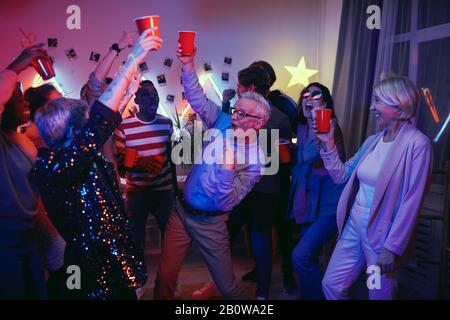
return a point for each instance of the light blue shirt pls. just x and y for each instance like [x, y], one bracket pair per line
[210, 187]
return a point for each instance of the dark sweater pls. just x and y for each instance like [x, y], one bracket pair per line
[277, 120]
[18, 198]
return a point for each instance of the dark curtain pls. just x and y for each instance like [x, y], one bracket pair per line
[354, 73]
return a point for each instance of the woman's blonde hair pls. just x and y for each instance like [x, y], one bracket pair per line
[399, 92]
[55, 119]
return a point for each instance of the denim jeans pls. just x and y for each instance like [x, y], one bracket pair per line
[305, 256]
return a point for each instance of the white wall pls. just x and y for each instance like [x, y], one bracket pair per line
[247, 30]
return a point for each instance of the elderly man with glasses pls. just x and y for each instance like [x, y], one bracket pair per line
[264, 207]
[212, 190]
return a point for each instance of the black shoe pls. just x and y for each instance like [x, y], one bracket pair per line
[290, 287]
[250, 276]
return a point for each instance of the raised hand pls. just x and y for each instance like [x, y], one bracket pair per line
[114, 93]
[145, 44]
[127, 39]
[187, 61]
[23, 61]
[228, 94]
[326, 138]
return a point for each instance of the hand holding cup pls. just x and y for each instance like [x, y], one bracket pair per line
[25, 58]
[131, 157]
[146, 43]
[187, 61]
[326, 138]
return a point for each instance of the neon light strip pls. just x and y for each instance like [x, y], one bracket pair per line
[438, 136]
[56, 84]
[163, 110]
[186, 109]
[429, 100]
[215, 87]
[37, 81]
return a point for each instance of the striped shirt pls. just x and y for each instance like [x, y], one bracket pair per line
[149, 139]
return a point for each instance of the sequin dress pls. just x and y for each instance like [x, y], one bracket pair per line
[80, 192]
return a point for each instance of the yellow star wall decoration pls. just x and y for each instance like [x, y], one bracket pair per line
[300, 74]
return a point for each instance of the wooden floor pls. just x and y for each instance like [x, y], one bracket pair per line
[194, 274]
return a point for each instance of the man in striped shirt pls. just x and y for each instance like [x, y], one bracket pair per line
[149, 181]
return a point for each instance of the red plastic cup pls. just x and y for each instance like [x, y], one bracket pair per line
[323, 118]
[44, 66]
[147, 22]
[187, 41]
[285, 151]
[130, 158]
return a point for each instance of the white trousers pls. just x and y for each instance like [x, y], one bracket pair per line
[352, 253]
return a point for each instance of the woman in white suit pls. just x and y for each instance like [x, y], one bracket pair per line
[386, 181]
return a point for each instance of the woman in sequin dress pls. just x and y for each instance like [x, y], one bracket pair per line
[79, 190]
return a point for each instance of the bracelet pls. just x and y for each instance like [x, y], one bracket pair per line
[116, 48]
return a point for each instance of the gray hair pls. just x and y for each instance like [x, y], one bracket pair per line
[263, 107]
[399, 92]
[55, 119]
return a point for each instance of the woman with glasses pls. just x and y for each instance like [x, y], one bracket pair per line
[385, 183]
[313, 195]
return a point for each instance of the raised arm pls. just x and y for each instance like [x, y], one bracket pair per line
[8, 77]
[205, 108]
[113, 95]
[104, 66]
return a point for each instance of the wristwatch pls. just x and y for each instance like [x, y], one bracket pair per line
[116, 48]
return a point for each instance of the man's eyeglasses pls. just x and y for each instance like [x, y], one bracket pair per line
[241, 114]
